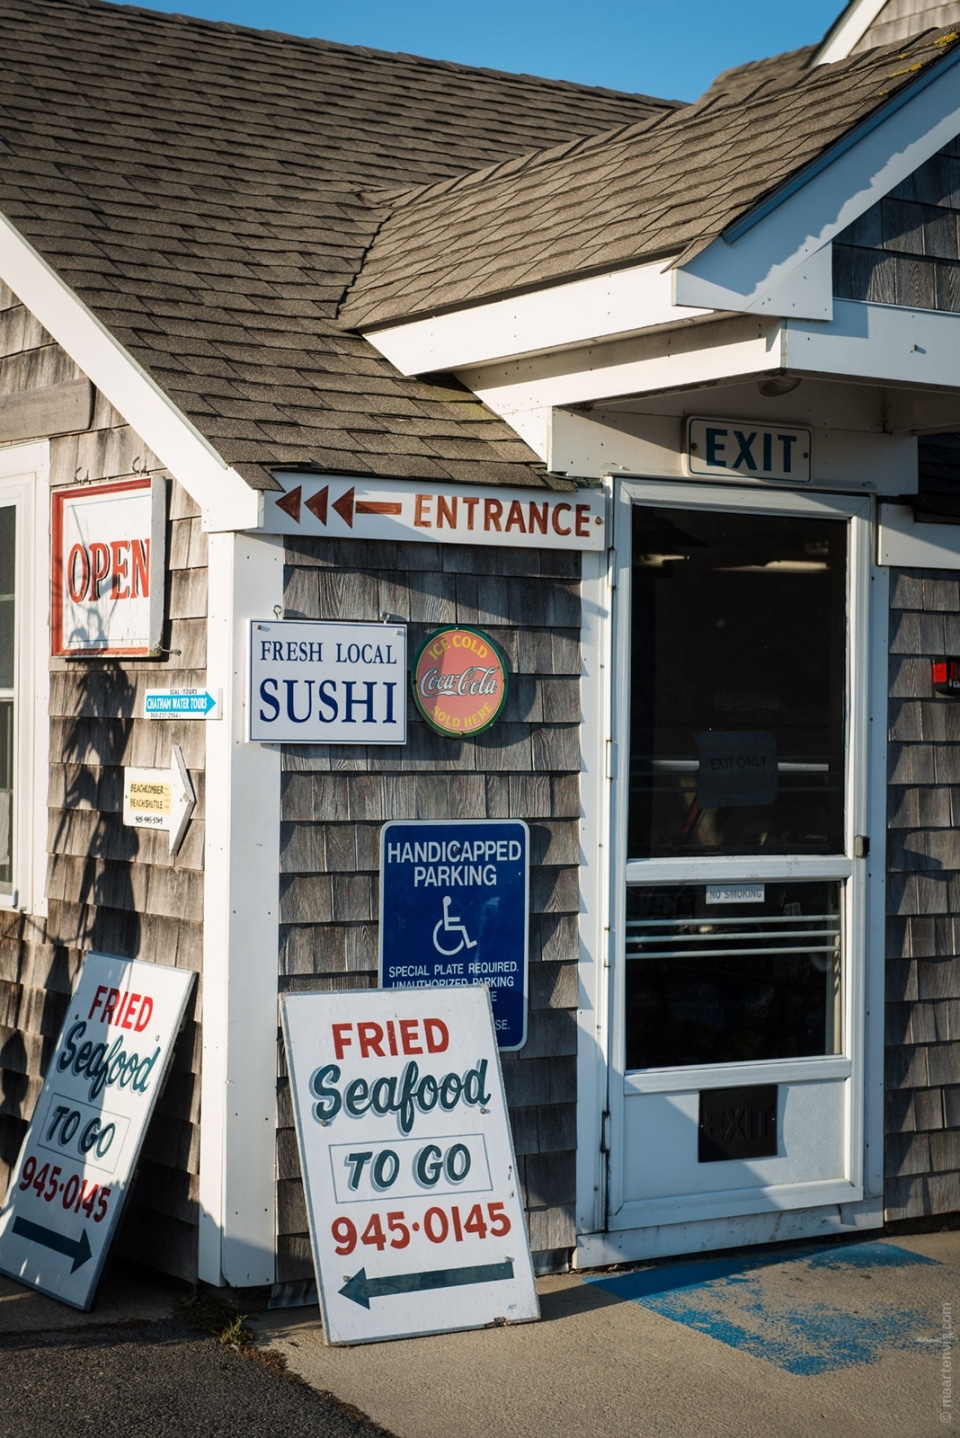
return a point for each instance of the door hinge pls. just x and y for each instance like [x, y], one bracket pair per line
[611, 758]
[605, 1131]
[861, 847]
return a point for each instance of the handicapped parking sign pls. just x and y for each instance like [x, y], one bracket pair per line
[453, 911]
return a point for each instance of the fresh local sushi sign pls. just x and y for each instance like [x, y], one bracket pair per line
[327, 683]
[78, 1158]
[411, 1181]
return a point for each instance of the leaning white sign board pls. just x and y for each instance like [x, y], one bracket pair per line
[81, 1149]
[411, 1182]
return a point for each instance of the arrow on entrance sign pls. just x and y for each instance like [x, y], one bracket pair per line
[346, 506]
[76, 1248]
[361, 1289]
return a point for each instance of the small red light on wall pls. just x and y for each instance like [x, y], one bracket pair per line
[946, 678]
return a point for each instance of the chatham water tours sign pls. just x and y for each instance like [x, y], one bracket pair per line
[318, 682]
[411, 1181]
[78, 1158]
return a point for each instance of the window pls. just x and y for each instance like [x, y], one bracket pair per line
[24, 680]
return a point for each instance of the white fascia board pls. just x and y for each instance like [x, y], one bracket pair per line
[848, 31]
[877, 342]
[674, 359]
[844, 460]
[225, 499]
[576, 312]
[768, 262]
[909, 543]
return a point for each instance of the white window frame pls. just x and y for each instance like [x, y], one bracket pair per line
[24, 483]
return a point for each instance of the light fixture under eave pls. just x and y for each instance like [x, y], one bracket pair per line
[772, 386]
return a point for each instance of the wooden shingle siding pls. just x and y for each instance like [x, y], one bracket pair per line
[111, 888]
[900, 19]
[905, 250]
[922, 1148]
[336, 798]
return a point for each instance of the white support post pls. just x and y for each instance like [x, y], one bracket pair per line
[240, 943]
[594, 973]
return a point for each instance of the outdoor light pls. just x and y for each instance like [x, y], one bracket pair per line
[774, 385]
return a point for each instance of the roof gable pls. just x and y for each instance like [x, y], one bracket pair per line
[665, 188]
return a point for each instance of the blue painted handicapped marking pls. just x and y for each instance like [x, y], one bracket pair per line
[727, 1299]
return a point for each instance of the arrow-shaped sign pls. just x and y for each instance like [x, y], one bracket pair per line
[76, 1248]
[169, 704]
[361, 1289]
[183, 800]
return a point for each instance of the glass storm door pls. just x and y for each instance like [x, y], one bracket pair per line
[738, 896]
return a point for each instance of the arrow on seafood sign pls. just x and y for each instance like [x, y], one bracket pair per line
[361, 1289]
[76, 1248]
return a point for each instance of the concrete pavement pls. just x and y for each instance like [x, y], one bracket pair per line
[839, 1340]
[803, 1342]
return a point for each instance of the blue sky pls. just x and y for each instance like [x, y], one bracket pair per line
[671, 48]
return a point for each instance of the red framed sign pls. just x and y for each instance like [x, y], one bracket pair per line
[107, 569]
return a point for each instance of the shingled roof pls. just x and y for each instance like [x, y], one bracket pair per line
[664, 186]
[206, 190]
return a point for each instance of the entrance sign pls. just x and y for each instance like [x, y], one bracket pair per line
[459, 680]
[453, 911]
[68, 1187]
[314, 682]
[183, 704]
[444, 514]
[160, 799]
[408, 1164]
[749, 449]
[107, 559]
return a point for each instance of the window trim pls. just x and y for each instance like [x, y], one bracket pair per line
[24, 483]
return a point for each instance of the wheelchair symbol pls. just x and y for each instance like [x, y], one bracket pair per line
[450, 924]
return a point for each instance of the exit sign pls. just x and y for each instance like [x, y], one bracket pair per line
[747, 449]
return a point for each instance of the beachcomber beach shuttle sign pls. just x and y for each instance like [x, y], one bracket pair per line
[78, 1157]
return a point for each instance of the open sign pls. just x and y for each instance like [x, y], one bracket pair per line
[107, 595]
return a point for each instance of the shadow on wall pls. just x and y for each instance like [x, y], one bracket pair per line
[100, 905]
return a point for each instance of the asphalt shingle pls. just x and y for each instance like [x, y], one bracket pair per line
[679, 179]
[206, 190]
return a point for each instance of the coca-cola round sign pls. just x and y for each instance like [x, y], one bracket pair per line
[459, 681]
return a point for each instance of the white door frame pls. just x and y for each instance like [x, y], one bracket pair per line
[856, 1202]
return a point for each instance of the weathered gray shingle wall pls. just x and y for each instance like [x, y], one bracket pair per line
[922, 1151]
[905, 250]
[110, 888]
[899, 19]
[335, 800]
